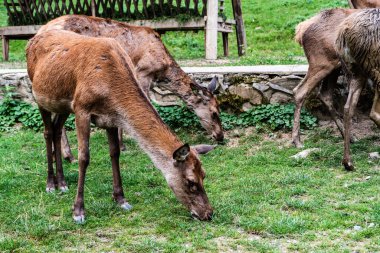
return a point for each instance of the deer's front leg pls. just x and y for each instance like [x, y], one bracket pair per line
[114, 147]
[355, 88]
[121, 143]
[82, 123]
[59, 121]
[48, 135]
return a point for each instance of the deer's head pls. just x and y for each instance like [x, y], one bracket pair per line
[187, 183]
[206, 107]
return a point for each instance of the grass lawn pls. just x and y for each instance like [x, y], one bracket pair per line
[264, 201]
[269, 27]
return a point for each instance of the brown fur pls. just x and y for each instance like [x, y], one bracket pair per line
[317, 36]
[94, 78]
[358, 45]
[152, 62]
[362, 4]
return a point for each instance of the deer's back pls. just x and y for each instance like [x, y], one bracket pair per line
[64, 67]
[319, 36]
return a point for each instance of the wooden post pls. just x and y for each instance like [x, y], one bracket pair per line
[5, 48]
[240, 31]
[212, 30]
[225, 44]
[93, 11]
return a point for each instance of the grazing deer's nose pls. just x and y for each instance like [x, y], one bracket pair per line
[209, 215]
[206, 216]
[219, 137]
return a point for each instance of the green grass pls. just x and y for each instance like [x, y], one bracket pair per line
[264, 201]
[269, 27]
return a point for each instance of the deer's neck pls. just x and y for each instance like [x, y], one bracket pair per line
[140, 119]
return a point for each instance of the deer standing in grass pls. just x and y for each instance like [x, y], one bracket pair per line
[358, 45]
[94, 78]
[152, 62]
[317, 36]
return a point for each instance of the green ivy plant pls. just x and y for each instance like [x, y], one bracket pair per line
[275, 116]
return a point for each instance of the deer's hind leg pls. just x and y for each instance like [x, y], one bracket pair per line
[48, 135]
[58, 122]
[65, 147]
[355, 87]
[375, 110]
[313, 77]
[326, 96]
[114, 147]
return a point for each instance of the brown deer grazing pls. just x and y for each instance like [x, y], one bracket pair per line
[152, 62]
[94, 78]
[358, 45]
[362, 4]
[317, 36]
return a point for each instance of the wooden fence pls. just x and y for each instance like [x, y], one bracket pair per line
[33, 12]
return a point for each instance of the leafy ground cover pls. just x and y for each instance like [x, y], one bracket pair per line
[264, 201]
[269, 27]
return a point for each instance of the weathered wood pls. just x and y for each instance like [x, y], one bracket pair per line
[225, 44]
[212, 30]
[5, 48]
[41, 11]
[93, 12]
[240, 30]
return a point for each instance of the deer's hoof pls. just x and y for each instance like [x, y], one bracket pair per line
[126, 206]
[50, 189]
[64, 188]
[353, 139]
[78, 219]
[348, 166]
[70, 159]
[297, 144]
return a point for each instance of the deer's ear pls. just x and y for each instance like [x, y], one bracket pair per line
[212, 85]
[203, 148]
[181, 153]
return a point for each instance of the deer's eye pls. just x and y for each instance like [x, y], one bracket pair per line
[192, 186]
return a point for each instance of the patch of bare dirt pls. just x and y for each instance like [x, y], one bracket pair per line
[362, 127]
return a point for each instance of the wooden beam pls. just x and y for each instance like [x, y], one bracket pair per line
[5, 48]
[93, 11]
[19, 30]
[212, 30]
[240, 31]
[174, 25]
[225, 44]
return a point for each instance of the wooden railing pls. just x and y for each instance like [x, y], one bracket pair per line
[34, 12]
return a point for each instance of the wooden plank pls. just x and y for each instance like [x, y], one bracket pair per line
[225, 44]
[240, 31]
[5, 48]
[212, 30]
[173, 25]
[19, 30]
[169, 24]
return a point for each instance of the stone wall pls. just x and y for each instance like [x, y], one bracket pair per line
[235, 92]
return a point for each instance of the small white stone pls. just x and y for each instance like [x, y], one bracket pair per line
[126, 206]
[357, 228]
[79, 219]
[305, 153]
[64, 189]
[374, 155]
[50, 189]
[371, 225]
